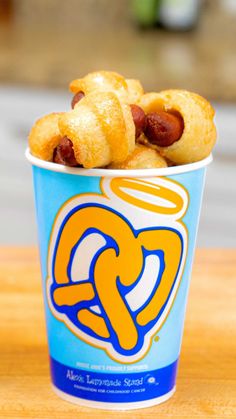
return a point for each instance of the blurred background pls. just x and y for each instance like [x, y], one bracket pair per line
[189, 44]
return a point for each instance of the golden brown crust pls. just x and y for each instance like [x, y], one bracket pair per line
[45, 136]
[199, 133]
[151, 102]
[142, 158]
[101, 129]
[128, 90]
[135, 90]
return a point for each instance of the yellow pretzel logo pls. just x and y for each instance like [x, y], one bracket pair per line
[119, 185]
[99, 307]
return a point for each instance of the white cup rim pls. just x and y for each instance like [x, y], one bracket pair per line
[98, 172]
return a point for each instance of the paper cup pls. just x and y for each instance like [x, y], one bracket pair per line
[116, 251]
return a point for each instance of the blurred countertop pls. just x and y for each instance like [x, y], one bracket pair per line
[48, 52]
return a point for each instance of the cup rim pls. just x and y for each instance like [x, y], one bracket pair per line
[99, 172]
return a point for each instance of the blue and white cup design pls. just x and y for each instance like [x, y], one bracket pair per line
[116, 256]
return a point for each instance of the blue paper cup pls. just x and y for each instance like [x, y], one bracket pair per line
[116, 251]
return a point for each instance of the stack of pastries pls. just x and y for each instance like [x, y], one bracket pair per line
[113, 124]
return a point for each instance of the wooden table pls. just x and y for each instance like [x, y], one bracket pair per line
[206, 386]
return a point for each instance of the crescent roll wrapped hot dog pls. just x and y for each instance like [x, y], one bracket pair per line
[45, 136]
[111, 113]
[128, 90]
[185, 131]
[101, 129]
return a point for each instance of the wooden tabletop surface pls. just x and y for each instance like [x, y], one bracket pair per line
[206, 385]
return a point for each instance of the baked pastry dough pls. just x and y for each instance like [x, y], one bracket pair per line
[199, 134]
[128, 90]
[45, 136]
[173, 126]
[101, 129]
[142, 158]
